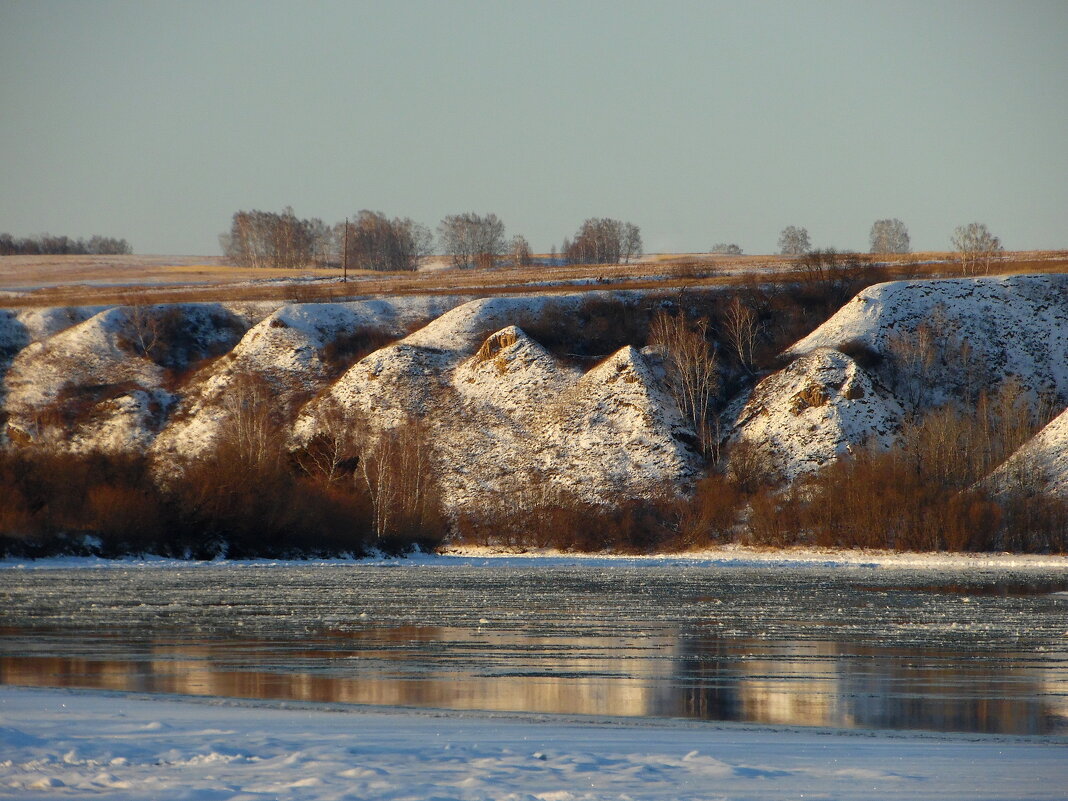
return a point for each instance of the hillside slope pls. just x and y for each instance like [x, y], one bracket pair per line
[509, 422]
[903, 348]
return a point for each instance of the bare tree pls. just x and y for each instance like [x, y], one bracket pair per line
[375, 242]
[692, 370]
[793, 241]
[602, 240]
[143, 325]
[976, 247]
[725, 249]
[889, 236]
[521, 253]
[397, 470]
[63, 245]
[632, 242]
[332, 453]
[471, 240]
[252, 431]
[740, 329]
[266, 239]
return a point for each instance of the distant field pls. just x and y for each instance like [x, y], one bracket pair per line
[90, 280]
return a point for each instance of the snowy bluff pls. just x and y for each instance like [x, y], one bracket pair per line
[506, 416]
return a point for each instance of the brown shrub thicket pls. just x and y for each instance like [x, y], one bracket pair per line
[245, 497]
[564, 521]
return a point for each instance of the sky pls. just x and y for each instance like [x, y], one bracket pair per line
[701, 122]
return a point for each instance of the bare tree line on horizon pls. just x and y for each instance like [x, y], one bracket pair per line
[372, 241]
[50, 245]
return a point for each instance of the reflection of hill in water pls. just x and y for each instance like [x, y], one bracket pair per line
[816, 683]
[827, 647]
[803, 683]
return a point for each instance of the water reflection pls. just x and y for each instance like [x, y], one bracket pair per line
[833, 647]
[664, 673]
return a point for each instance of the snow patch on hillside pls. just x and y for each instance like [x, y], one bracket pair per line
[1041, 463]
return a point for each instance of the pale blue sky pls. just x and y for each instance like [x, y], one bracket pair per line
[699, 121]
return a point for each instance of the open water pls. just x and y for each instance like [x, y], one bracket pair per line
[847, 647]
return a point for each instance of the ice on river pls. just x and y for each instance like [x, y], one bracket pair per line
[61, 744]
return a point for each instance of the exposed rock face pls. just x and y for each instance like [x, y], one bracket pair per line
[818, 408]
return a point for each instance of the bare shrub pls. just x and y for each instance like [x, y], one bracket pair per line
[396, 467]
[710, 515]
[772, 520]
[862, 353]
[750, 467]
[333, 452]
[693, 373]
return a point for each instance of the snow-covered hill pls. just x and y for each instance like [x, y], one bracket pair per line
[105, 382]
[905, 347]
[288, 352]
[934, 340]
[509, 421]
[1042, 463]
[820, 407]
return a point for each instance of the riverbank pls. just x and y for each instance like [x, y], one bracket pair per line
[64, 744]
[722, 556]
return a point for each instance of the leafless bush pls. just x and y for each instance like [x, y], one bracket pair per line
[710, 515]
[396, 467]
[332, 454]
[693, 373]
[349, 347]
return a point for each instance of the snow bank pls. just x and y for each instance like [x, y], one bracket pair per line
[57, 744]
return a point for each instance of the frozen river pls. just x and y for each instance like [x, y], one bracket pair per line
[839, 646]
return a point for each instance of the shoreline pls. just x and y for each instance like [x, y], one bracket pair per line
[724, 556]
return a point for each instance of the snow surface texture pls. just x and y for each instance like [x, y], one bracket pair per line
[509, 421]
[818, 408]
[61, 745]
[1043, 461]
[922, 344]
[285, 351]
[952, 333]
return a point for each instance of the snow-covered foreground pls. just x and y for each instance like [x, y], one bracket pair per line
[59, 744]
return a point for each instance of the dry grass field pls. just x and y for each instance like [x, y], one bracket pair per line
[27, 281]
